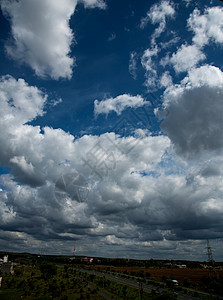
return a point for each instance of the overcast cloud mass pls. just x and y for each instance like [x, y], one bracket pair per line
[112, 144]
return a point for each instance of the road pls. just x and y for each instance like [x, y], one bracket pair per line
[135, 284]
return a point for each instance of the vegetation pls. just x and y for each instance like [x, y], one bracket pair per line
[59, 277]
[46, 281]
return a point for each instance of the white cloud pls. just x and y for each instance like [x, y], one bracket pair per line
[133, 64]
[41, 36]
[208, 26]
[147, 58]
[186, 58]
[195, 108]
[170, 43]
[20, 103]
[166, 79]
[94, 3]
[158, 14]
[149, 66]
[204, 75]
[117, 104]
[164, 61]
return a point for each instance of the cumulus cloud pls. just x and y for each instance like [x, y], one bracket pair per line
[117, 104]
[147, 197]
[208, 26]
[36, 159]
[20, 102]
[186, 57]
[40, 214]
[195, 107]
[32, 200]
[41, 36]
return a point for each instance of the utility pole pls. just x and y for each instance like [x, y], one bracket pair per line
[209, 254]
[211, 260]
[41, 252]
[140, 290]
[74, 252]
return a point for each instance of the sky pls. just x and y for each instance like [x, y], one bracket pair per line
[111, 128]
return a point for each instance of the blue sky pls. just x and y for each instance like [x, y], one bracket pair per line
[111, 117]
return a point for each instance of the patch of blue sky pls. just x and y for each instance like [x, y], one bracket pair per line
[144, 173]
[170, 165]
[4, 170]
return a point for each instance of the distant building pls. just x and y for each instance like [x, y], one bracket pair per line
[182, 266]
[5, 259]
[169, 265]
[87, 260]
[7, 268]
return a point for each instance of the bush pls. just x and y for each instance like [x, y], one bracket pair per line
[186, 282]
[48, 270]
[148, 274]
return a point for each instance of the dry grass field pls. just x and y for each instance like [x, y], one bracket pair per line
[195, 275]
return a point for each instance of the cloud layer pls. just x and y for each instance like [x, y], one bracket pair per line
[146, 197]
[142, 195]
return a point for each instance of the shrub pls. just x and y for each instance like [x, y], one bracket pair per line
[186, 282]
[48, 270]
